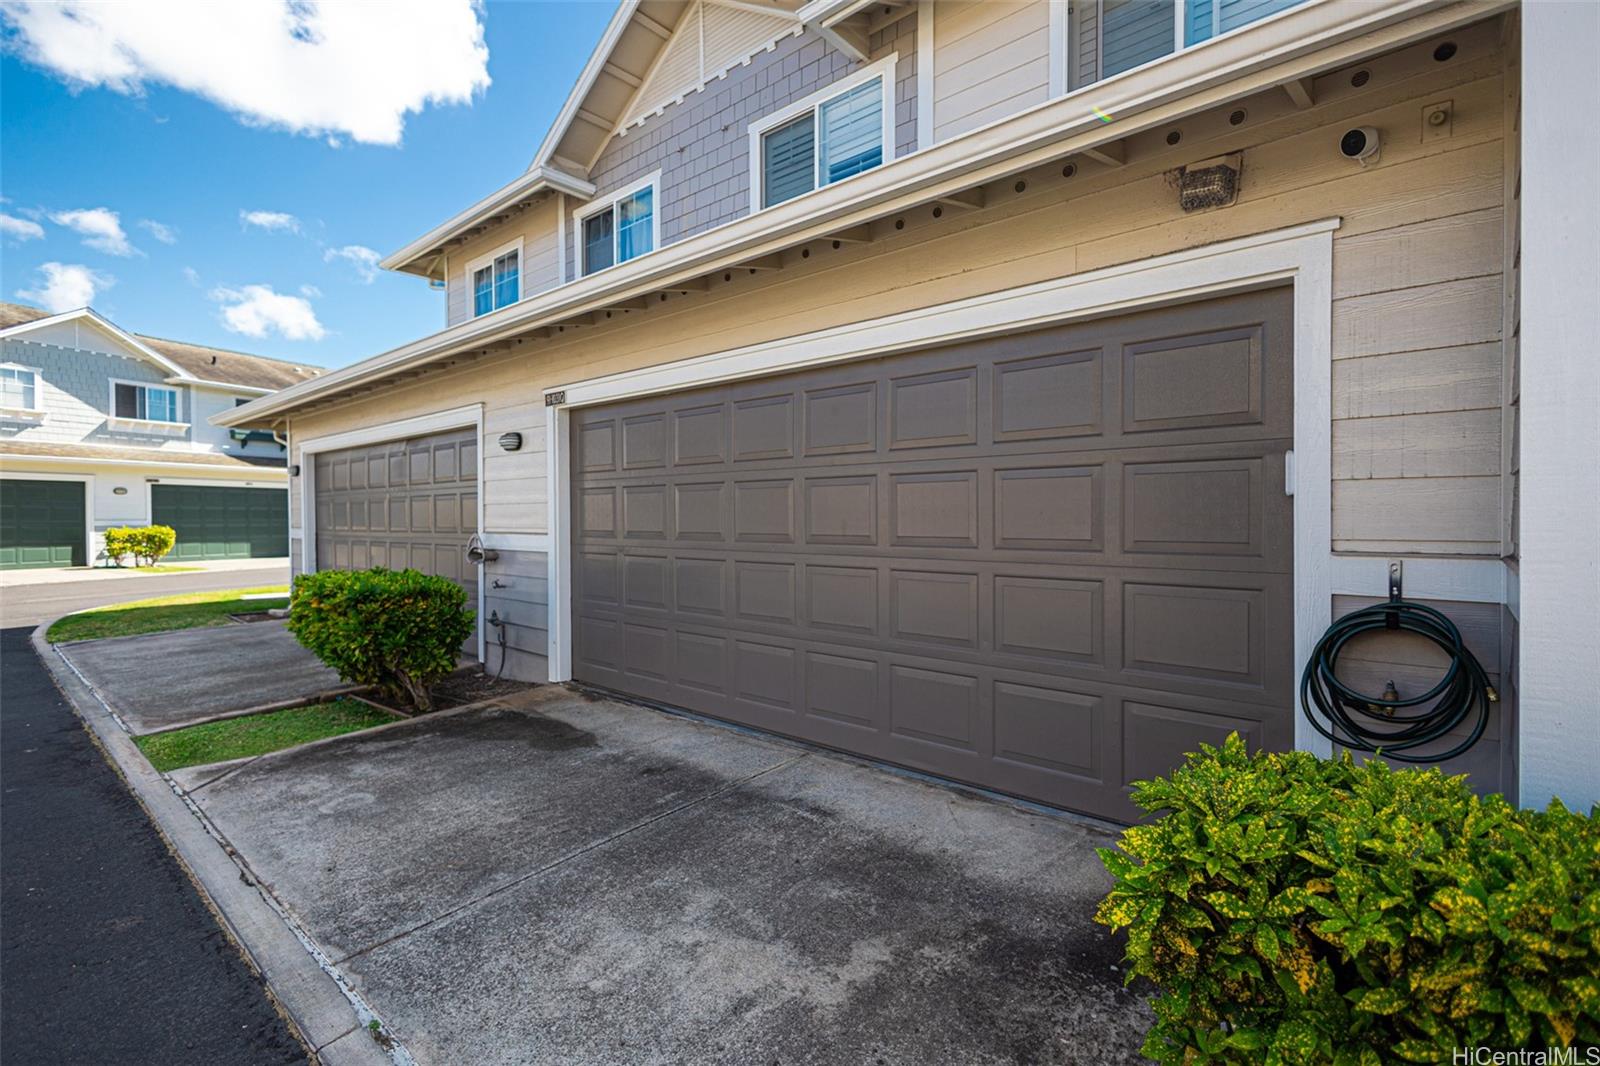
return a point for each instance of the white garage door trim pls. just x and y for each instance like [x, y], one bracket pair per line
[1301, 254]
[468, 416]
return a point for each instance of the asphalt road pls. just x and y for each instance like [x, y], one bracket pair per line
[107, 953]
[29, 605]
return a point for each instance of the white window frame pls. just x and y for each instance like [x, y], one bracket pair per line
[487, 260]
[111, 408]
[38, 390]
[609, 201]
[882, 68]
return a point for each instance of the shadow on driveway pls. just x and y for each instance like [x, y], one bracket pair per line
[580, 881]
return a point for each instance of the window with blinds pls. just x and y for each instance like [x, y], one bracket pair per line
[836, 138]
[1111, 36]
[149, 403]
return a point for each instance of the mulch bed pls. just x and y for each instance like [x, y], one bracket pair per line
[461, 687]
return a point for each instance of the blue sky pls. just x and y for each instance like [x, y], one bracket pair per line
[177, 159]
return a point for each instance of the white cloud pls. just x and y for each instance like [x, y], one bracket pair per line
[100, 227]
[364, 259]
[325, 69]
[271, 221]
[256, 310]
[19, 229]
[66, 287]
[160, 231]
[192, 276]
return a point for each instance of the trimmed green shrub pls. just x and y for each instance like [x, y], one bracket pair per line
[1302, 910]
[400, 630]
[147, 544]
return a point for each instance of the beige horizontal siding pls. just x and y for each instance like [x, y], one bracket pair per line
[991, 58]
[537, 226]
[1416, 326]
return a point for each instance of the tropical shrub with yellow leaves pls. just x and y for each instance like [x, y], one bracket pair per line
[1292, 909]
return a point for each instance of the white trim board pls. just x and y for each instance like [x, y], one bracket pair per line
[269, 473]
[1459, 580]
[1302, 255]
[478, 262]
[454, 418]
[608, 202]
[90, 552]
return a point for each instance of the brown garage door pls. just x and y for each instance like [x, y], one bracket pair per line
[1046, 563]
[403, 503]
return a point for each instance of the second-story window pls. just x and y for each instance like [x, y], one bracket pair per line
[619, 227]
[827, 137]
[19, 388]
[148, 403]
[495, 280]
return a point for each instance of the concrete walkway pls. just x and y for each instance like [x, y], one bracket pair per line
[69, 575]
[110, 955]
[568, 880]
[163, 680]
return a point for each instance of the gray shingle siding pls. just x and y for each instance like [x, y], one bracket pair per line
[701, 143]
[76, 395]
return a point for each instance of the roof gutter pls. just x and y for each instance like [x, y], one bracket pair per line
[1318, 35]
[202, 383]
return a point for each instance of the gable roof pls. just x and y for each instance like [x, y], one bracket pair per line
[186, 362]
[623, 65]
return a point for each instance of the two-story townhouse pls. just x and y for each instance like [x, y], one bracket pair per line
[100, 427]
[1014, 391]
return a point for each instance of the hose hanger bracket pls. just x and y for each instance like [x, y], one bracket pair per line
[1395, 725]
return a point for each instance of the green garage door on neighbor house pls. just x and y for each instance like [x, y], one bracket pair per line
[217, 522]
[41, 524]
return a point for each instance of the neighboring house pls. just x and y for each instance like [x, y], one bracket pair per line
[100, 428]
[1012, 391]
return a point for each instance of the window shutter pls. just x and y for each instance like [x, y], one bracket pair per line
[852, 132]
[1135, 32]
[786, 163]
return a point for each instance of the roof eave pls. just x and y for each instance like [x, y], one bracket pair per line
[532, 181]
[183, 376]
[1286, 45]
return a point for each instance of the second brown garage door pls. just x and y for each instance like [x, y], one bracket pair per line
[404, 503]
[1047, 563]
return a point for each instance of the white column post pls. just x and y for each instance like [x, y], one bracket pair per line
[1559, 546]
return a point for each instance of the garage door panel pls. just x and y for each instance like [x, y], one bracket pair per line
[1029, 562]
[222, 521]
[42, 523]
[400, 504]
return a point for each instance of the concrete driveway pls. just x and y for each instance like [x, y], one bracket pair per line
[579, 881]
[162, 680]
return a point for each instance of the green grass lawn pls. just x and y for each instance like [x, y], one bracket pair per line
[188, 611]
[257, 734]
[160, 568]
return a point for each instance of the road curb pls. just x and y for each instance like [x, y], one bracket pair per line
[323, 1012]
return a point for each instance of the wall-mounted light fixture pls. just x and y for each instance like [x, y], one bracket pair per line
[120, 490]
[294, 469]
[511, 442]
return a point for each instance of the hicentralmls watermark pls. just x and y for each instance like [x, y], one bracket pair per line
[1552, 1056]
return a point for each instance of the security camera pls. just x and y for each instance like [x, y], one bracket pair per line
[1360, 144]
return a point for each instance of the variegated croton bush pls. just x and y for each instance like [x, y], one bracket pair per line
[1295, 909]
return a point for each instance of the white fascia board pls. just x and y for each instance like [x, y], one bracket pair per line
[264, 473]
[580, 89]
[183, 377]
[201, 383]
[524, 186]
[1318, 35]
[829, 12]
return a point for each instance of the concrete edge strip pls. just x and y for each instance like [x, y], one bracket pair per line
[319, 1003]
[260, 708]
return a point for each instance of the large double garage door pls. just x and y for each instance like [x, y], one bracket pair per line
[400, 504]
[1046, 563]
